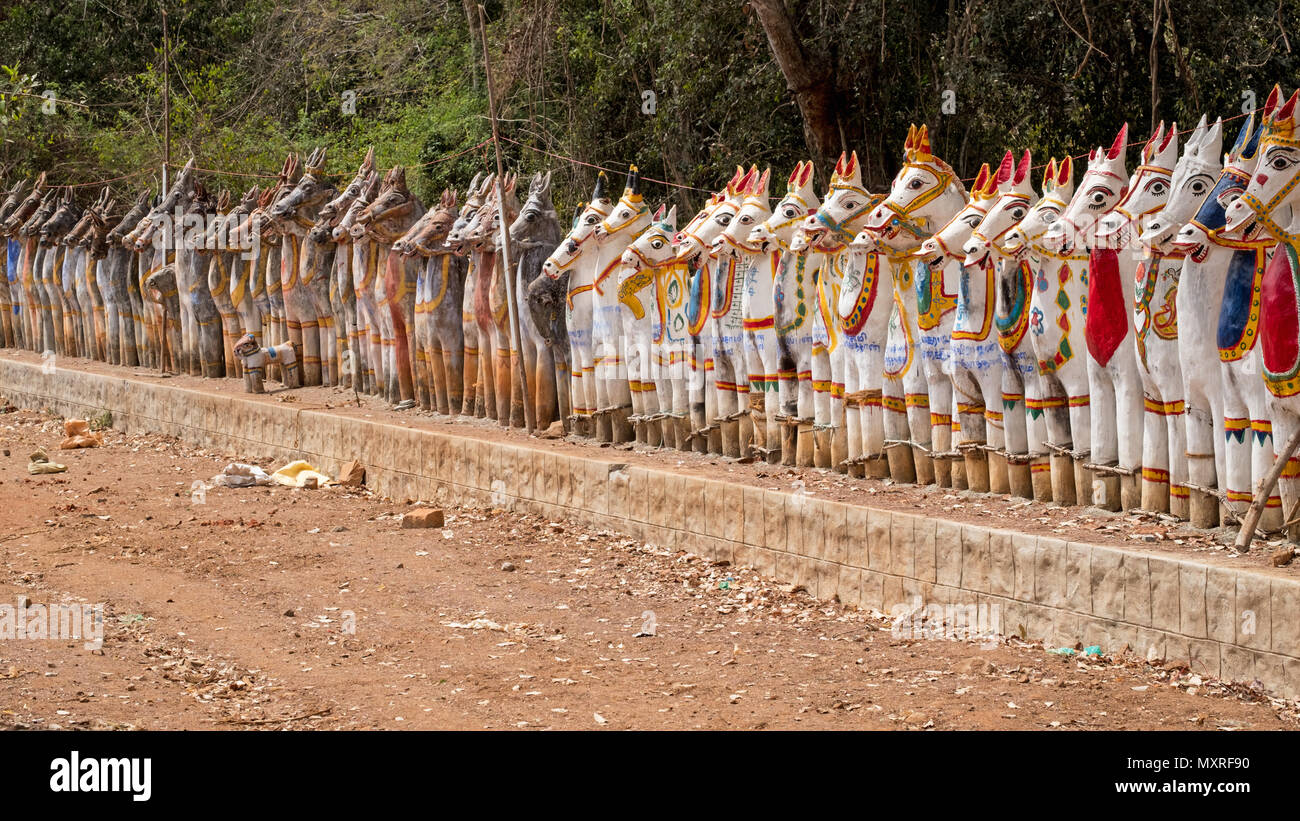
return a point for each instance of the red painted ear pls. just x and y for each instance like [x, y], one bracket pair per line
[807, 173]
[1065, 171]
[1173, 129]
[910, 142]
[1005, 169]
[763, 181]
[659, 214]
[1287, 111]
[1274, 97]
[852, 167]
[1022, 170]
[1049, 176]
[981, 179]
[1149, 150]
[1117, 147]
[794, 175]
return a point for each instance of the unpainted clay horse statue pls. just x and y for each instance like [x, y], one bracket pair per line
[534, 234]
[256, 358]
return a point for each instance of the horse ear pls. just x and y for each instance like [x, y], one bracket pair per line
[1006, 168]
[764, 181]
[1212, 140]
[1065, 171]
[671, 219]
[981, 180]
[839, 165]
[793, 181]
[659, 214]
[1274, 97]
[1117, 147]
[1287, 111]
[807, 173]
[1152, 145]
[1173, 129]
[602, 183]
[909, 144]
[1022, 170]
[368, 163]
[1049, 174]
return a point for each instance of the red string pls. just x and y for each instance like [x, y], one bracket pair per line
[601, 167]
[1137, 142]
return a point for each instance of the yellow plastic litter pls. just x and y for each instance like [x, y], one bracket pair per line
[301, 474]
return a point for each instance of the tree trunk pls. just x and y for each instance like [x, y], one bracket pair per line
[807, 80]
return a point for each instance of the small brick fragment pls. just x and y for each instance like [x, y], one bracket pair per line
[424, 517]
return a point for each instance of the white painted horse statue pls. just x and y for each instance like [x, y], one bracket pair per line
[1158, 329]
[918, 391]
[1028, 466]
[794, 301]
[1217, 306]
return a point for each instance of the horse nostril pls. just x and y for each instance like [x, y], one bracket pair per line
[572, 247]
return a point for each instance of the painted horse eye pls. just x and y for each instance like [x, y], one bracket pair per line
[914, 184]
[1018, 214]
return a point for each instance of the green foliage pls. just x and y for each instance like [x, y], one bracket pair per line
[254, 79]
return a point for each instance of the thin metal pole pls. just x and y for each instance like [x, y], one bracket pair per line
[530, 420]
[167, 103]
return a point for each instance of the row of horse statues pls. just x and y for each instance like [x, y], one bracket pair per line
[1129, 340]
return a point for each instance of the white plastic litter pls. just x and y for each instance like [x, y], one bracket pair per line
[238, 474]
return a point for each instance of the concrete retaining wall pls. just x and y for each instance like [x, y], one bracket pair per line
[1046, 588]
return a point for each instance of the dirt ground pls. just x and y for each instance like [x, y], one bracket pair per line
[273, 608]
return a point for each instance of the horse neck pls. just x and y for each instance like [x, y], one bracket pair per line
[758, 290]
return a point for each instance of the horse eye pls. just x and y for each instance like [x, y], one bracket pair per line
[914, 184]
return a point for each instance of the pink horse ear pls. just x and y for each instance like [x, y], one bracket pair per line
[1117, 147]
[659, 214]
[981, 179]
[794, 175]
[1022, 170]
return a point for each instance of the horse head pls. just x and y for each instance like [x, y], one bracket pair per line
[630, 215]
[755, 209]
[296, 207]
[655, 247]
[799, 202]
[843, 212]
[1014, 200]
[1103, 186]
[1273, 186]
[1207, 225]
[925, 193]
[1194, 176]
[937, 250]
[537, 223]
[1058, 188]
[1148, 191]
[575, 244]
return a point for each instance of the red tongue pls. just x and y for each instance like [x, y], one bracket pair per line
[1107, 318]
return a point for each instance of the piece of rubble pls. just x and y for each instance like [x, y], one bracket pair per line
[352, 474]
[424, 517]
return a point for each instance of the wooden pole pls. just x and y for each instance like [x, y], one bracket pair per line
[530, 420]
[1251, 520]
[167, 104]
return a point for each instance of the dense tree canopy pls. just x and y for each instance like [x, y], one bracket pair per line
[253, 79]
